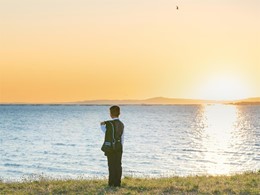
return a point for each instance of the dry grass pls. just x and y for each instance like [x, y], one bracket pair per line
[246, 183]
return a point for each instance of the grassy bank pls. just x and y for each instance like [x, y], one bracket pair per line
[246, 183]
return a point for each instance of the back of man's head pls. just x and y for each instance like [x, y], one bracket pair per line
[114, 111]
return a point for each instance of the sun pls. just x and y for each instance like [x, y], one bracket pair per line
[224, 87]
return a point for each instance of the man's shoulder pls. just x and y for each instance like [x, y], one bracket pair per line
[121, 123]
[108, 122]
[114, 121]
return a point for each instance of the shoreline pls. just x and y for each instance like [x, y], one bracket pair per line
[242, 183]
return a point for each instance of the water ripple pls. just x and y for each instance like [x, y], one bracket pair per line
[159, 140]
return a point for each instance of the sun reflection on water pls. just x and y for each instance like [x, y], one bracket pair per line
[219, 126]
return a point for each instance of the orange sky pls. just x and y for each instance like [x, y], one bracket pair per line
[64, 50]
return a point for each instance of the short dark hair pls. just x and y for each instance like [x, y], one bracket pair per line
[114, 110]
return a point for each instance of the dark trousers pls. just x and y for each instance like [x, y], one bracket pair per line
[114, 168]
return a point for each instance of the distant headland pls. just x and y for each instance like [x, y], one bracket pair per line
[149, 101]
[171, 101]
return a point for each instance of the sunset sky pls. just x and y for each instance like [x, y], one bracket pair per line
[72, 50]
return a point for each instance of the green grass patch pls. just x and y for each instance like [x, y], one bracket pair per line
[245, 183]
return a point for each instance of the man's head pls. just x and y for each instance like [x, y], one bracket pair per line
[114, 111]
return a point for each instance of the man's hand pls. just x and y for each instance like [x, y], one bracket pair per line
[102, 123]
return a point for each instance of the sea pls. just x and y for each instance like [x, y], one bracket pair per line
[64, 141]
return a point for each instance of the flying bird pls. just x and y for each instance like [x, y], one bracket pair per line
[177, 7]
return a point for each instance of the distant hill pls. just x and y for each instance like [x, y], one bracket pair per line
[156, 100]
[168, 101]
[163, 100]
[255, 99]
[150, 101]
[251, 101]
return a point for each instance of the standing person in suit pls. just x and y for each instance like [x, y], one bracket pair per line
[114, 158]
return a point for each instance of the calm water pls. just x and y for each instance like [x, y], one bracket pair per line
[65, 141]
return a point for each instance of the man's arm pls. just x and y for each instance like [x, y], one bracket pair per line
[103, 127]
[123, 138]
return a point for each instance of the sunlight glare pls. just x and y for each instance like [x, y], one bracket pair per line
[224, 87]
[219, 122]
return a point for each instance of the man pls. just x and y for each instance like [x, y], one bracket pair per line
[114, 158]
